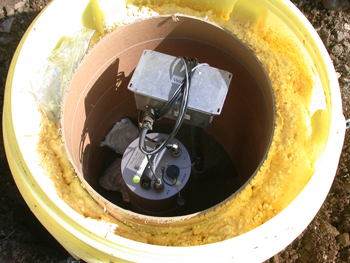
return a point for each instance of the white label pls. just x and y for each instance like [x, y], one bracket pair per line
[137, 162]
[177, 79]
[187, 116]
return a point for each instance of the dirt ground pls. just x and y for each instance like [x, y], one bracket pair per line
[24, 239]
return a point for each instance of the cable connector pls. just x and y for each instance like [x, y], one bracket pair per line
[148, 119]
[176, 150]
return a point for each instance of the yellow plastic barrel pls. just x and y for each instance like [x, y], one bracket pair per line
[91, 240]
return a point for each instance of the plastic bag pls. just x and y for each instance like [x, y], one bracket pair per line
[112, 180]
[51, 82]
[122, 134]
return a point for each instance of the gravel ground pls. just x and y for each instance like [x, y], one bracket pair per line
[24, 239]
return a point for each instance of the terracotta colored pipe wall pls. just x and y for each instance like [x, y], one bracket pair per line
[99, 97]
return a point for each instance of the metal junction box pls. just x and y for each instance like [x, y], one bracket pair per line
[157, 76]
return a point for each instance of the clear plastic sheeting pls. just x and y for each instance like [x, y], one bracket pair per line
[121, 135]
[51, 81]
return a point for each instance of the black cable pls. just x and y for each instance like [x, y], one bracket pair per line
[177, 94]
[174, 182]
[151, 167]
[185, 91]
[139, 126]
[170, 103]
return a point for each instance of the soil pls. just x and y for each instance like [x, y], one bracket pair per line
[326, 239]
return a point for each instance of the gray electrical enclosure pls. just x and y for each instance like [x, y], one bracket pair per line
[157, 76]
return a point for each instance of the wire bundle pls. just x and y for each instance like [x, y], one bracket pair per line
[183, 91]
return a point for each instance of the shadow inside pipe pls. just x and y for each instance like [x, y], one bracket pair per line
[237, 142]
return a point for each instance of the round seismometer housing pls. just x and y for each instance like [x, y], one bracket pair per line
[233, 144]
[160, 191]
